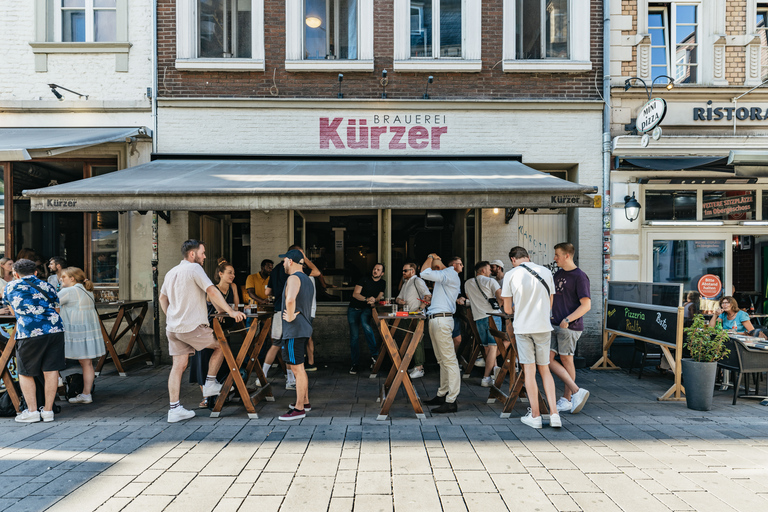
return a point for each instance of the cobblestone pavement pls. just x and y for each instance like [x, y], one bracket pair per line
[625, 451]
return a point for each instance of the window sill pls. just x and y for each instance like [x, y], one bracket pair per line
[329, 65]
[49, 47]
[444, 65]
[547, 66]
[219, 65]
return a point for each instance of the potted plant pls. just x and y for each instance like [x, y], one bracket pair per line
[707, 346]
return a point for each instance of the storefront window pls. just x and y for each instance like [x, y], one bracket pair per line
[670, 205]
[728, 205]
[687, 261]
[2, 210]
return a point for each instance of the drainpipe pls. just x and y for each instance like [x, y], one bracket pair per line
[606, 142]
[154, 263]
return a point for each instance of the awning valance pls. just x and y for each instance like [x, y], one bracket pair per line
[672, 163]
[232, 185]
[26, 143]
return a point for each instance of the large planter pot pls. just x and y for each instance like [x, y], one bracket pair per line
[699, 382]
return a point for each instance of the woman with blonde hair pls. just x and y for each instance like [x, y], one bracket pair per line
[83, 339]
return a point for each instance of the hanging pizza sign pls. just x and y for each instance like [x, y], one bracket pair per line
[650, 115]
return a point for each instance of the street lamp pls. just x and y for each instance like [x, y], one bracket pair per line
[631, 208]
[670, 84]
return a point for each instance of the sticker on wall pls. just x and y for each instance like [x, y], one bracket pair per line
[710, 286]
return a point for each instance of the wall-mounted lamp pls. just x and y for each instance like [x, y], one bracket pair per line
[631, 208]
[313, 21]
[58, 94]
[384, 81]
[670, 84]
[426, 91]
[341, 77]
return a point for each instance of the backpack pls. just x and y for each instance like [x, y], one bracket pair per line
[7, 410]
[74, 384]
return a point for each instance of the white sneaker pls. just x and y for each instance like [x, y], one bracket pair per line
[290, 385]
[179, 414]
[486, 382]
[27, 416]
[480, 362]
[529, 420]
[81, 399]
[554, 421]
[563, 405]
[47, 416]
[578, 400]
[211, 389]
[417, 373]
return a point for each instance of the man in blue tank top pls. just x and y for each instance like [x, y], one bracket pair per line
[297, 329]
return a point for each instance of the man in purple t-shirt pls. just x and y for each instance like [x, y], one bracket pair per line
[571, 302]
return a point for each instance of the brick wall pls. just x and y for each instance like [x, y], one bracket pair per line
[490, 83]
[735, 56]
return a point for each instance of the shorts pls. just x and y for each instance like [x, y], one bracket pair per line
[40, 354]
[456, 328]
[277, 329]
[185, 343]
[486, 339]
[564, 341]
[293, 350]
[533, 348]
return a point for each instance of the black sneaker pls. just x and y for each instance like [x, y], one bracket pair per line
[436, 400]
[310, 367]
[447, 407]
[354, 370]
[373, 362]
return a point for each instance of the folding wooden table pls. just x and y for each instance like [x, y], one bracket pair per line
[125, 311]
[401, 358]
[249, 350]
[516, 376]
[7, 347]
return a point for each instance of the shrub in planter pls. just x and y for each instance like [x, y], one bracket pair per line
[707, 346]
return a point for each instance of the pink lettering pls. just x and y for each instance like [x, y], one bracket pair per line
[399, 132]
[376, 132]
[360, 142]
[415, 136]
[437, 131]
[328, 133]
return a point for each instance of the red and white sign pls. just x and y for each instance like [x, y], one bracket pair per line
[710, 286]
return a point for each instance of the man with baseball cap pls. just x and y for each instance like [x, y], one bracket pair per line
[297, 328]
[497, 271]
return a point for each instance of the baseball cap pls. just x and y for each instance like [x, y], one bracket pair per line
[498, 263]
[294, 255]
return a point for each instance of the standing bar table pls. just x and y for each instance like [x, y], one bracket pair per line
[401, 358]
[249, 350]
[7, 347]
[516, 375]
[125, 312]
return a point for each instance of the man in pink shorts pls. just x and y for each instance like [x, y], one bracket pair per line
[182, 298]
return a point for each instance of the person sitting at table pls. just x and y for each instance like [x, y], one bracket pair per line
[83, 339]
[733, 319]
[256, 284]
[6, 273]
[691, 305]
[223, 278]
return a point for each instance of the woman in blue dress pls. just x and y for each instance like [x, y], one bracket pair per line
[83, 339]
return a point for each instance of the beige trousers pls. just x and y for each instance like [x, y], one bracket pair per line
[440, 330]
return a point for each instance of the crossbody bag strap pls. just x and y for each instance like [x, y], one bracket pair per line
[537, 276]
[481, 290]
[33, 285]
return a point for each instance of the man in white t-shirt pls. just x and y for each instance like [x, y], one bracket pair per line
[182, 298]
[531, 287]
[478, 290]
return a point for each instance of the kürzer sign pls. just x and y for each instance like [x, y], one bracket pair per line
[650, 115]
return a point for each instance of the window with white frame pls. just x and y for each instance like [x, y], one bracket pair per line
[674, 30]
[762, 31]
[546, 35]
[438, 35]
[542, 29]
[330, 29]
[223, 35]
[436, 29]
[81, 21]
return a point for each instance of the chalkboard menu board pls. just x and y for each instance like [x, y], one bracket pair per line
[657, 324]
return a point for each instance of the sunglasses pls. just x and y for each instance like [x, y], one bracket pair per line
[406, 271]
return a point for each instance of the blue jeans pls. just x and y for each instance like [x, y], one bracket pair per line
[364, 316]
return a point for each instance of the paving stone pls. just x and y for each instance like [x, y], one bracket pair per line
[373, 482]
[522, 493]
[202, 494]
[148, 504]
[564, 503]
[704, 502]
[262, 503]
[453, 504]
[272, 484]
[626, 493]
[309, 493]
[482, 502]
[114, 505]
[92, 494]
[373, 503]
[415, 492]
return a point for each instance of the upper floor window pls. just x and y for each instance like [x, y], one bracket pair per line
[220, 35]
[542, 29]
[224, 28]
[85, 20]
[674, 30]
[330, 29]
[436, 28]
[762, 31]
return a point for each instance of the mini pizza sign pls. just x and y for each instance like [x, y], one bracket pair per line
[651, 114]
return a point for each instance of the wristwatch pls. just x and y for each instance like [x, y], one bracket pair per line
[567, 319]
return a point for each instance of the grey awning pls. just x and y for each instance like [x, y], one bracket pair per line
[314, 184]
[675, 163]
[26, 143]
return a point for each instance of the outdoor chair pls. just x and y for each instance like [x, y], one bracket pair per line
[649, 350]
[744, 360]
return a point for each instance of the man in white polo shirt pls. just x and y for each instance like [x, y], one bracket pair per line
[531, 287]
[182, 298]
